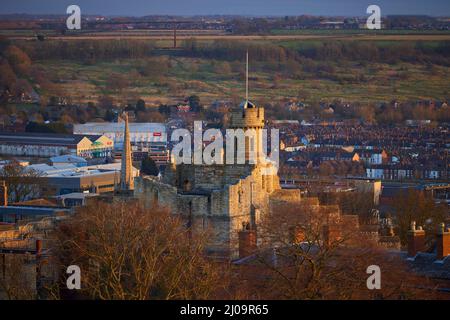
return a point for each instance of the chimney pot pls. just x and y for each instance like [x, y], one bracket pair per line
[442, 228]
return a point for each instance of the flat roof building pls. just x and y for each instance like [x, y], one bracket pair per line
[31, 144]
[68, 178]
[69, 159]
[15, 213]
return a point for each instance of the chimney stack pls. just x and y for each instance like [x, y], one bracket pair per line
[297, 235]
[247, 242]
[331, 233]
[416, 240]
[38, 247]
[3, 194]
[443, 242]
[391, 232]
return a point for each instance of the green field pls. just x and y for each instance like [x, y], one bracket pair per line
[352, 82]
[284, 70]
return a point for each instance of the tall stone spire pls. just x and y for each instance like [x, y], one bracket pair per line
[126, 170]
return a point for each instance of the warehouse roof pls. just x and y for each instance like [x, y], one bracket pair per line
[28, 138]
[68, 158]
[69, 170]
[119, 127]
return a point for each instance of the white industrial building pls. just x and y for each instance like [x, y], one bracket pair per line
[146, 138]
[32, 144]
[68, 178]
[140, 133]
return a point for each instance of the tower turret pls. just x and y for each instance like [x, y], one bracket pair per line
[250, 119]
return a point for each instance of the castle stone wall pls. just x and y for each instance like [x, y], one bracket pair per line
[247, 118]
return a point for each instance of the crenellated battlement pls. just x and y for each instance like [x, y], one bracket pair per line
[247, 116]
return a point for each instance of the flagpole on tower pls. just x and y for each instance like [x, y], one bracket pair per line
[246, 79]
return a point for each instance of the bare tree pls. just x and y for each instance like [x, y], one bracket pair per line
[22, 182]
[312, 252]
[17, 277]
[419, 207]
[126, 251]
[357, 203]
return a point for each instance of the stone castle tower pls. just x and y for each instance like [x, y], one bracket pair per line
[222, 199]
[126, 170]
[225, 202]
[250, 119]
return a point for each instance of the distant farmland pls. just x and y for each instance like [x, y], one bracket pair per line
[208, 35]
[314, 67]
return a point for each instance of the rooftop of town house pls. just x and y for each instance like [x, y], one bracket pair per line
[425, 263]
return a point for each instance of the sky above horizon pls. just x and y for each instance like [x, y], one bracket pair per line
[231, 7]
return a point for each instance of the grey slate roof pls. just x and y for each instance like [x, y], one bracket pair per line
[426, 264]
[29, 138]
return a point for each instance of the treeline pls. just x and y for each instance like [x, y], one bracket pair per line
[381, 114]
[259, 25]
[235, 50]
[89, 51]
[15, 66]
[265, 26]
[336, 51]
[364, 51]
[55, 127]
